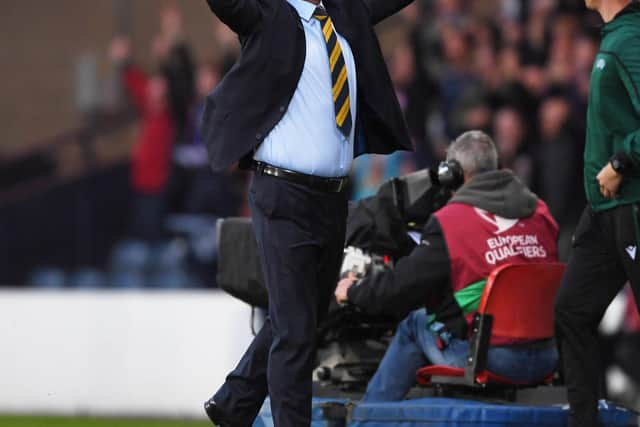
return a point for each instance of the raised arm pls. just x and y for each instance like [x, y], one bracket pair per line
[382, 9]
[133, 79]
[242, 16]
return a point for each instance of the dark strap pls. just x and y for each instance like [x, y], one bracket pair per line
[531, 345]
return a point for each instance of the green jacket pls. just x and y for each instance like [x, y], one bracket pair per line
[613, 117]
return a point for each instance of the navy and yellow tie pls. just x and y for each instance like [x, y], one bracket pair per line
[338, 67]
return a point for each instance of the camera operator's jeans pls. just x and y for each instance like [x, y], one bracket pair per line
[415, 346]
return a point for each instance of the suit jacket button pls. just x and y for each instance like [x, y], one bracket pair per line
[282, 109]
[258, 136]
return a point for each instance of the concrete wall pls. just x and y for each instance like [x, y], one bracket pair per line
[41, 42]
[117, 353]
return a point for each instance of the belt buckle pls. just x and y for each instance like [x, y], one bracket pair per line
[259, 167]
[341, 185]
[267, 169]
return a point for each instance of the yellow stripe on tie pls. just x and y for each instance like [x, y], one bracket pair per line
[344, 110]
[337, 88]
[334, 56]
[327, 30]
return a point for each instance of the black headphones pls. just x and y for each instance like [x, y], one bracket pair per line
[450, 174]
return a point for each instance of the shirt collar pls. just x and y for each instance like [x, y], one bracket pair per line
[616, 22]
[305, 9]
[630, 8]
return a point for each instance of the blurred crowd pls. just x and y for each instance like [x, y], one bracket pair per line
[518, 69]
[170, 236]
[169, 168]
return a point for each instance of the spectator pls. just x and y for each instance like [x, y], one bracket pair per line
[152, 153]
[370, 172]
[456, 78]
[536, 41]
[510, 131]
[173, 55]
[413, 93]
[557, 182]
[586, 48]
[204, 191]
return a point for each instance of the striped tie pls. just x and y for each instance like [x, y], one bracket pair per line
[341, 102]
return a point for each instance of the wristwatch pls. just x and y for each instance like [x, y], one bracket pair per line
[616, 165]
[619, 163]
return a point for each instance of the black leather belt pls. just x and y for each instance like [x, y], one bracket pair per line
[328, 185]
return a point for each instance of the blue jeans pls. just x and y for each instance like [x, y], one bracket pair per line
[415, 346]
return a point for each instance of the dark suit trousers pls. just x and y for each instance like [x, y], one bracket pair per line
[300, 234]
[605, 255]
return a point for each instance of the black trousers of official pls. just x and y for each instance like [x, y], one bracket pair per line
[605, 255]
[300, 234]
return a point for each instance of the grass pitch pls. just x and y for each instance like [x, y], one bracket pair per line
[21, 421]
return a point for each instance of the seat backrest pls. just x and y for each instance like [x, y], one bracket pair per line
[520, 298]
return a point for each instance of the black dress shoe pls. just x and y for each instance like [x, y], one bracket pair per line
[216, 415]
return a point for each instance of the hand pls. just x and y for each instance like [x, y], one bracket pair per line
[120, 49]
[343, 288]
[171, 23]
[609, 181]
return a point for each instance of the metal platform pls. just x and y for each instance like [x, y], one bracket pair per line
[447, 412]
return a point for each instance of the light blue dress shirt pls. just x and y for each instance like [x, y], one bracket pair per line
[307, 138]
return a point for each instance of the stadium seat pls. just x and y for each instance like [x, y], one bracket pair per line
[516, 305]
[126, 280]
[87, 278]
[168, 256]
[172, 279]
[47, 278]
[200, 231]
[130, 255]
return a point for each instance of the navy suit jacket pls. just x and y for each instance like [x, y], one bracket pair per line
[254, 95]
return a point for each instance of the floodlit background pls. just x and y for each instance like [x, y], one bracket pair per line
[108, 299]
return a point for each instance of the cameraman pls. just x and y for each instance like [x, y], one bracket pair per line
[492, 219]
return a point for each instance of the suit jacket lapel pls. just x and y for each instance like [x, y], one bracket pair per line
[338, 15]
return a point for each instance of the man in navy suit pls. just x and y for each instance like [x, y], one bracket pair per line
[309, 92]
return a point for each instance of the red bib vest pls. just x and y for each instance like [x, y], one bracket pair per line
[478, 241]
